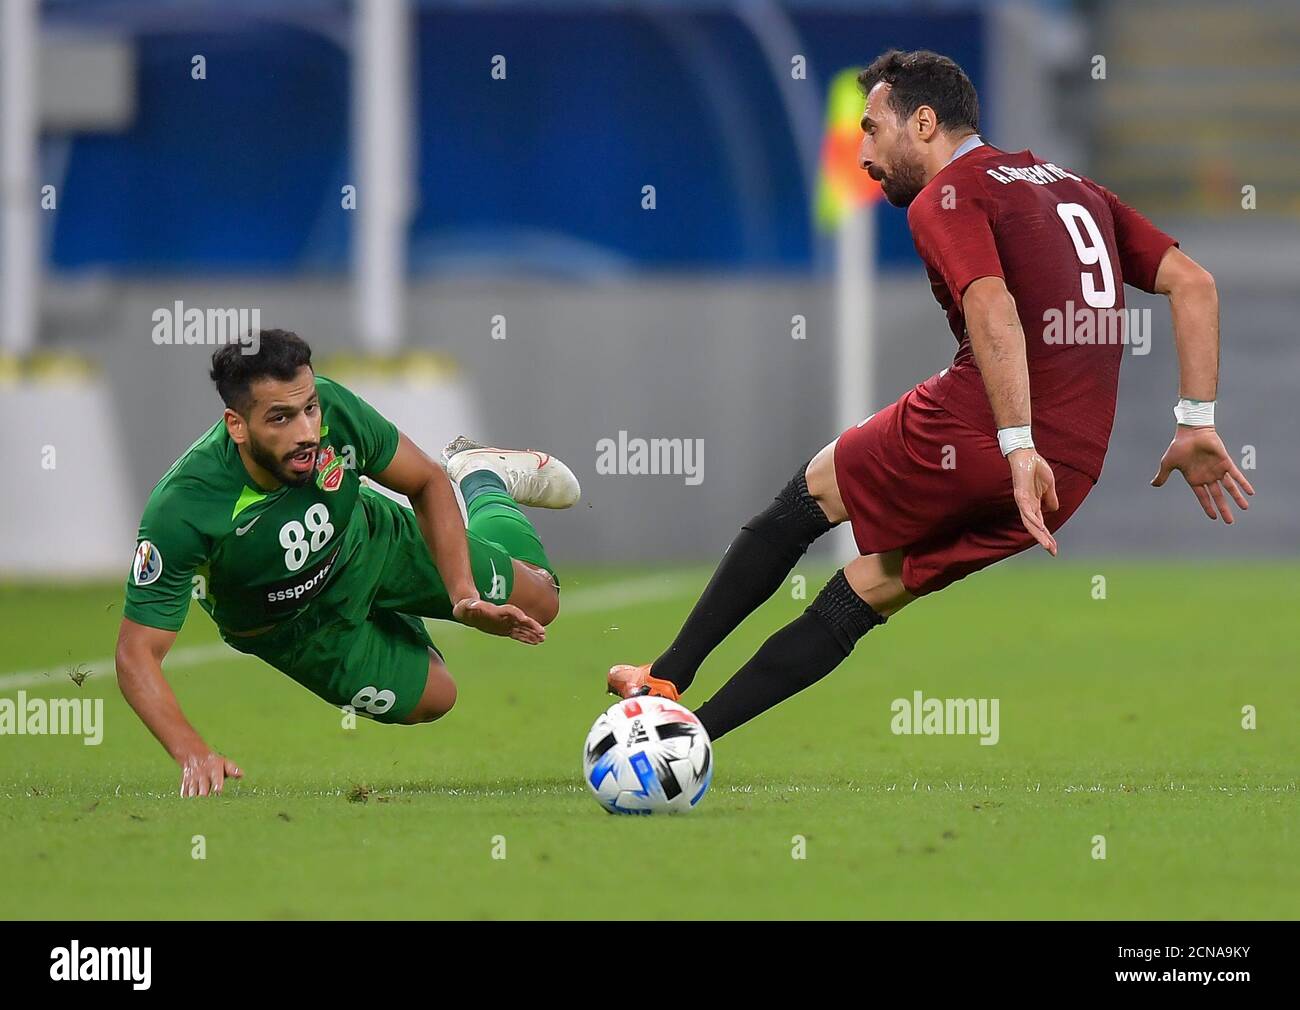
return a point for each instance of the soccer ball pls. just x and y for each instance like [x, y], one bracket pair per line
[647, 756]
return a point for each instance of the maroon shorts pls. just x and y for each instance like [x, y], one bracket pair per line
[914, 478]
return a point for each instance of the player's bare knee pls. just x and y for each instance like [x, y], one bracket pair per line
[823, 487]
[890, 598]
[434, 704]
[445, 700]
[438, 697]
[535, 593]
[878, 579]
[546, 608]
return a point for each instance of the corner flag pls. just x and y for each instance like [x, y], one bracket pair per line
[841, 185]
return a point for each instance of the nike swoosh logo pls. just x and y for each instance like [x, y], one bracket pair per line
[241, 530]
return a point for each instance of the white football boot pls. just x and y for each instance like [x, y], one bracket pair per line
[531, 478]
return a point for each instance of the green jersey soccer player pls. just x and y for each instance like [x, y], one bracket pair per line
[267, 523]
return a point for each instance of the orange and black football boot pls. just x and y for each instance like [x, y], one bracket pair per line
[635, 682]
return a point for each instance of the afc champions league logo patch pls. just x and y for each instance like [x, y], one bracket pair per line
[329, 469]
[148, 563]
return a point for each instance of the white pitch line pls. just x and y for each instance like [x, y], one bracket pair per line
[628, 593]
[191, 655]
[592, 600]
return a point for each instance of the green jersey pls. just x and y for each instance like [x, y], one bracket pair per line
[250, 557]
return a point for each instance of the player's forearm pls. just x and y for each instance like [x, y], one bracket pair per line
[444, 531]
[1194, 305]
[998, 343]
[146, 690]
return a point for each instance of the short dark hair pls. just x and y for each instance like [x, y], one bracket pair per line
[925, 78]
[280, 354]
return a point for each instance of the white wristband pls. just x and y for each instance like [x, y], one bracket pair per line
[1011, 439]
[1195, 413]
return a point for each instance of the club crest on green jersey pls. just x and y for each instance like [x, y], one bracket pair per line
[329, 469]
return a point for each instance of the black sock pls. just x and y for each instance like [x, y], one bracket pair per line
[797, 656]
[755, 565]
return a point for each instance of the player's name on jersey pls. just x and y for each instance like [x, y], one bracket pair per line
[24, 716]
[1083, 324]
[1039, 175]
[177, 325]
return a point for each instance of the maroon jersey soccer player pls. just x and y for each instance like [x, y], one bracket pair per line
[994, 453]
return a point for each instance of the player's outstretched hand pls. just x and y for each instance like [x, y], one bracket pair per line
[507, 621]
[205, 774]
[1034, 487]
[1198, 454]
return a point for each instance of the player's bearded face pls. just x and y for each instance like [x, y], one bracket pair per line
[899, 173]
[281, 429]
[280, 462]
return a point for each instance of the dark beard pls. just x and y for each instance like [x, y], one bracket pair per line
[902, 185]
[268, 462]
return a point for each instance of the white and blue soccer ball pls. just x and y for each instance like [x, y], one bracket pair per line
[648, 756]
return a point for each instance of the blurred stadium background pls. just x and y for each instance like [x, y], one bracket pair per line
[521, 196]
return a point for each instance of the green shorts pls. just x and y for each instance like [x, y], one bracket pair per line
[361, 642]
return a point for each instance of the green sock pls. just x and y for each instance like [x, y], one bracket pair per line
[493, 515]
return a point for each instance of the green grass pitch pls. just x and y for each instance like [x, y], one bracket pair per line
[1120, 717]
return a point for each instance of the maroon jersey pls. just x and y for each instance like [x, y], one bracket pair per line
[1065, 248]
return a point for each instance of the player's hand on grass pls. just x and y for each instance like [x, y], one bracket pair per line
[1034, 487]
[507, 621]
[1198, 454]
[205, 774]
